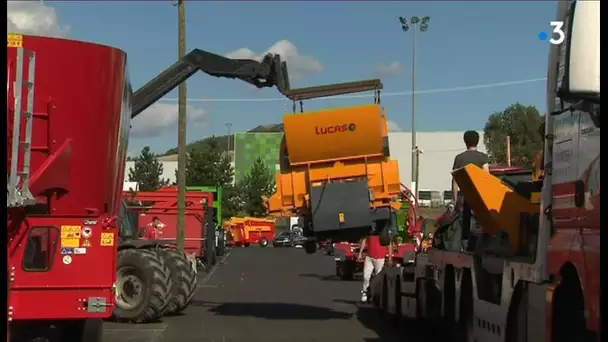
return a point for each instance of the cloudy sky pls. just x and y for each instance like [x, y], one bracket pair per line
[471, 62]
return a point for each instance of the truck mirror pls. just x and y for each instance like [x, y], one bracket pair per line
[582, 74]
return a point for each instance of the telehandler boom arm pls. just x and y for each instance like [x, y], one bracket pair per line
[269, 72]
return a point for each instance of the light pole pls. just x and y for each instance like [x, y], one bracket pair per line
[423, 25]
[228, 126]
[181, 132]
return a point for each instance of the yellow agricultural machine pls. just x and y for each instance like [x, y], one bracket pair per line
[336, 174]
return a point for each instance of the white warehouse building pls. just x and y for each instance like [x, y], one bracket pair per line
[438, 152]
[436, 160]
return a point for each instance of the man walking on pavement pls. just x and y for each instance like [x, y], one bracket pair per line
[480, 159]
[374, 261]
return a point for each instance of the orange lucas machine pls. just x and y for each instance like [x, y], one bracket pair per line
[336, 174]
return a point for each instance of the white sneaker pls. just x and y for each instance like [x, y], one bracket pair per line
[363, 297]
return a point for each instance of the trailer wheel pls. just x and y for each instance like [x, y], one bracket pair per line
[183, 279]
[143, 284]
[465, 321]
[399, 317]
[345, 270]
[221, 245]
[310, 247]
[263, 242]
[384, 234]
[82, 330]
[384, 297]
[517, 324]
[569, 322]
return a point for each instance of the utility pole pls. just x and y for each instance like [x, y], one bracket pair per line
[423, 25]
[228, 126]
[181, 134]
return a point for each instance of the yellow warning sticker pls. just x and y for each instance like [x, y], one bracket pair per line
[70, 232]
[107, 239]
[70, 243]
[14, 40]
[70, 236]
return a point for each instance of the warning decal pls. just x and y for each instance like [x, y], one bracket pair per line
[14, 40]
[70, 236]
[107, 239]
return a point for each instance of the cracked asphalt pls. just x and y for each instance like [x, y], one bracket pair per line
[269, 295]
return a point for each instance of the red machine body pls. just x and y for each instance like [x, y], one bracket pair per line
[163, 204]
[68, 119]
[62, 253]
[347, 264]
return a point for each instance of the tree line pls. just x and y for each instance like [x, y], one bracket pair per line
[522, 125]
[209, 165]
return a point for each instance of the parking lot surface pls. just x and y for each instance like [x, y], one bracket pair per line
[269, 295]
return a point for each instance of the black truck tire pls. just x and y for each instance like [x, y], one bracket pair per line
[183, 280]
[142, 271]
[310, 247]
[221, 244]
[263, 242]
[345, 270]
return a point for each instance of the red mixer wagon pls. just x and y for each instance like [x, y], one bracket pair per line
[69, 107]
[67, 139]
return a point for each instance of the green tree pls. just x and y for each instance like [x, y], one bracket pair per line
[209, 165]
[521, 124]
[232, 201]
[147, 171]
[257, 183]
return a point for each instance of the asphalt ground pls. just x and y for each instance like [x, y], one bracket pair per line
[270, 295]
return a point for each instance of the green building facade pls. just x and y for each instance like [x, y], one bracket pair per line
[249, 146]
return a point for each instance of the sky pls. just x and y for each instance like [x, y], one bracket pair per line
[475, 59]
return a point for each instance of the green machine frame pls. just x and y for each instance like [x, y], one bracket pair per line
[217, 198]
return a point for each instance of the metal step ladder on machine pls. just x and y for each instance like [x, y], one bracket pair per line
[18, 188]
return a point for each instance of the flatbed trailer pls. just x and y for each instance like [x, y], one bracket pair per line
[535, 274]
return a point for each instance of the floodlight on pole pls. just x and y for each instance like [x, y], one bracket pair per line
[423, 24]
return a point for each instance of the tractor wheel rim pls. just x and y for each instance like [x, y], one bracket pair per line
[129, 288]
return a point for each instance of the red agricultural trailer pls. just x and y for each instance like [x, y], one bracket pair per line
[69, 107]
[247, 231]
[162, 204]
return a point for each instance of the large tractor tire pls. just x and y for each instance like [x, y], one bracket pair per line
[143, 286]
[183, 280]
